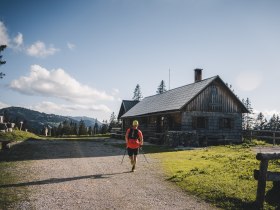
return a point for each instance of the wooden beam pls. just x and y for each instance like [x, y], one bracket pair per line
[268, 156]
[270, 176]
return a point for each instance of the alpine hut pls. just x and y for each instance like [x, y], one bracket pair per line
[201, 113]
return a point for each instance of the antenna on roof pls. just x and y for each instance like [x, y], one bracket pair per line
[169, 78]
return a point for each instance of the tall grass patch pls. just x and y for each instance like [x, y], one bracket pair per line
[10, 196]
[222, 175]
[18, 135]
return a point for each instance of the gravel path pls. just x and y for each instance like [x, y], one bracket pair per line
[89, 175]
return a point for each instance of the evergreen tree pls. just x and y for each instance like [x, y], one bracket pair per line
[112, 122]
[54, 131]
[59, 131]
[161, 88]
[104, 127]
[66, 128]
[274, 123]
[90, 130]
[82, 128]
[247, 118]
[260, 123]
[277, 123]
[74, 129]
[2, 47]
[95, 128]
[137, 95]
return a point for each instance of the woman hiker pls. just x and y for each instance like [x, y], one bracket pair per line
[134, 140]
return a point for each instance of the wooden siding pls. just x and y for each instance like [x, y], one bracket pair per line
[215, 98]
[213, 128]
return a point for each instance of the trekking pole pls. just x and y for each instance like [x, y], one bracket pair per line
[143, 154]
[123, 155]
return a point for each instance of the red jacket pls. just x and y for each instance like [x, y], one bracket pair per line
[133, 140]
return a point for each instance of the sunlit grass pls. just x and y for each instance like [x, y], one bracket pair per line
[18, 135]
[222, 175]
[9, 196]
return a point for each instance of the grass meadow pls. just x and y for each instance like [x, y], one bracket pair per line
[221, 175]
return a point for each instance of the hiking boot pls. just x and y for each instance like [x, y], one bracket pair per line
[133, 168]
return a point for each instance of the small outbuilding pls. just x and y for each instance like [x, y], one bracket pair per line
[201, 113]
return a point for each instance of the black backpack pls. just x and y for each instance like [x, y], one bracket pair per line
[133, 134]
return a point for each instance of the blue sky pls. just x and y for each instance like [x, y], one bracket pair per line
[81, 58]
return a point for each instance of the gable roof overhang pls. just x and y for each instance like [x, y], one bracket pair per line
[168, 112]
[176, 99]
[234, 97]
[242, 106]
[126, 105]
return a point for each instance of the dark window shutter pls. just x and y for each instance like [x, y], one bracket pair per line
[206, 122]
[194, 122]
[221, 123]
[231, 123]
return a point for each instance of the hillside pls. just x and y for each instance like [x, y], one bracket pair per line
[35, 121]
[87, 120]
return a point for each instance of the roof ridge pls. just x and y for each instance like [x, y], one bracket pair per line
[217, 76]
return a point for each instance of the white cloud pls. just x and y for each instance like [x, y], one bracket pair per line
[70, 46]
[115, 91]
[3, 105]
[248, 81]
[4, 38]
[63, 109]
[57, 83]
[18, 40]
[267, 113]
[39, 49]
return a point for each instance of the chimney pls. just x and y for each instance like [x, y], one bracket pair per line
[197, 75]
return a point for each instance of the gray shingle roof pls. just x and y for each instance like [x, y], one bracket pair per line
[170, 100]
[129, 104]
[125, 106]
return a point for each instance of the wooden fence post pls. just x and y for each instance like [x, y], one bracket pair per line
[265, 175]
[261, 183]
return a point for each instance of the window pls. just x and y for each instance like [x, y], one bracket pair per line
[199, 122]
[226, 123]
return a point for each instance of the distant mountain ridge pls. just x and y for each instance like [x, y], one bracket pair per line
[35, 121]
[87, 120]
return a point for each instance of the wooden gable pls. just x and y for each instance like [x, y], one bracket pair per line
[216, 97]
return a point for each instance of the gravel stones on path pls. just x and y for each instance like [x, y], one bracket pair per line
[89, 175]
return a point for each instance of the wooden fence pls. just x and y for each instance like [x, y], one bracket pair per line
[267, 135]
[262, 175]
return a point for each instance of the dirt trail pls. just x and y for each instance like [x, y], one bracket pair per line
[88, 175]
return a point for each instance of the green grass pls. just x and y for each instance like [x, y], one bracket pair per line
[18, 135]
[10, 196]
[221, 175]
